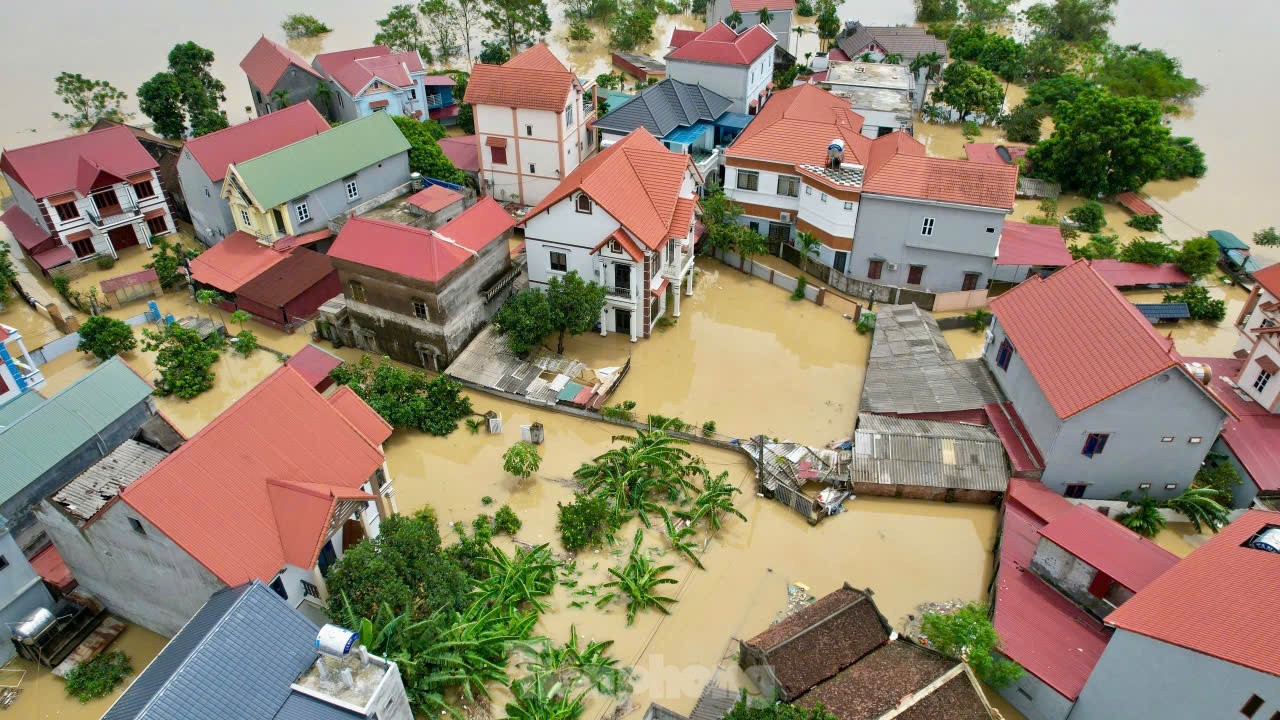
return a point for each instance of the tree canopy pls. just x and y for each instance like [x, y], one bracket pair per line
[516, 22]
[401, 30]
[1072, 20]
[406, 398]
[763, 710]
[425, 155]
[970, 89]
[184, 359]
[186, 96]
[631, 25]
[300, 25]
[569, 306]
[105, 337]
[967, 634]
[89, 101]
[1135, 71]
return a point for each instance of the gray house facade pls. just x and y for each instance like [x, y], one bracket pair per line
[279, 77]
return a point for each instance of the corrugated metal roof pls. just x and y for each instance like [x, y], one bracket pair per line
[912, 368]
[102, 481]
[664, 107]
[236, 658]
[1164, 311]
[1128, 558]
[36, 441]
[19, 406]
[900, 451]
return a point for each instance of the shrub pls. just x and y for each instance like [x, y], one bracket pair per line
[1267, 236]
[709, 428]
[1184, 159]
[486, 500]
[1201, 305]
[105, 337]
[300, 25]
[967, 634]
[62, 284]
[1022, 124]
[521, 459]
[407, 398]
[866, 322]
[1145, 223]
[99, 676]
[1091, 217]
[622, 411]
[804, 8]
[246, 342]
[1198, 257]
[474, 425]
[1099, 247]
[980, 317]
[505, 521]
[662, 422]
[184, 360]
[970, 130]
[105, 262]
[1147, 252]
[801, 284]
[586, 522]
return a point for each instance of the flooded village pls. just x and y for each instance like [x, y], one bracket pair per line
[696, 374]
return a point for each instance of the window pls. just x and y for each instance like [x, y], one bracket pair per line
[353, 191]
[754, 226]
[83, 248]
[915, 274]
[498, 155]
[671, 251]
[970, 281]
[789, 185]
[1171, 486]
[1094, 443]
[1252, 706]
[1075, 490]
[1260, 383]
[413, 93]
[244, 217]
[1195, 440]
[309, 590]
[615, 247]
[106, 199]
[874, 269]
[848, 205]
[206, 193]
[1144, 486]
[1004, 354]
[1025, 694]
[357, 291]
[419, 309]
[748, 180]
[1166, 439]
[144, 189]
[304, 212]
[528, 130]
[157, 225]
[584, 203]
[67, 211]
[533, 168]
[808, 190]
[991, 231]
[559, 261]
[278, 586]
[926, 228]
[568, 115]
[137, 526]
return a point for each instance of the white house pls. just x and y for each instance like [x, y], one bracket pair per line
[1259, 344]
[780, 12]
[737, 66]
[532, 118]
[624, 219]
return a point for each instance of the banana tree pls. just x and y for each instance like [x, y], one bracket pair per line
[637, 581]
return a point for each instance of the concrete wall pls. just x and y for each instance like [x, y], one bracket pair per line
[964, 240]
[210, 214]
[1036, 700]
[542, 148]
[1138, 677]
[144, 577]
[561, 228]
[739, 83]
[21, 591]
[299, 85]
[1073, 576]
[924, 492]
[26, 201]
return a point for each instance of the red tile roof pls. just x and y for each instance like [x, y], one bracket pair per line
[424, 254]
[234, 261]
[55, 257]
[1269, 278]
[300, 270]
[1080, 338]
[1051, 637]
[215, 151]
[680, 36]
[359, 414]
[120, 282]
[945, 180]
[534, 80]
[255, 488]
[1027, 244]
[1254, 433]
[1135, 203]
[624, 240]
[720, 45]
[314, 364]
[24, 229]
[987, 153]
[462, 152]
[354, 69]
[1127, 274]
[1126, 557]
[267, 61]
[753, 6]
[434, 198]
[636, 180]
[50, 566]
[1216, 600]
[76, 162]
[797, 124]
[682, 218]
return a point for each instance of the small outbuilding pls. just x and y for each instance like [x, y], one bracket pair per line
[927, 460]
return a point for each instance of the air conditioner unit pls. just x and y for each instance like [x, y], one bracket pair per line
[784, 217]
[891, 267]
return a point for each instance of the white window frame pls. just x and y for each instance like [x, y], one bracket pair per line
[848, 205]
[353, 190]
[302, 212]
[551, 260]
[671, 251]
[791, 180]
[244, 215]
[752, 174]
[1260, 382]
[926, 227]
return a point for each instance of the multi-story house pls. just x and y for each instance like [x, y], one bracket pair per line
[1108, 402]
[300, 187]
[737, 66]
[165, 152]
[1259, 344]
[202, 166]
[279, 77]
[874, 44]
[780, 12]
[420, 295]
[82, 196]
[274, 489]
[623, 219]
[532, 121]
[374, 79]
[882, 209]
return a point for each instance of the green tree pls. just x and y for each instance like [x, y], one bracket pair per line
[967, 634]
[1099, 247]
[524, 320]
[804, 8]
[506, 521]
[425, 155]
[1103, 144]
[105, 337]
[516, 22]
[466, 115]
[720, 217]
[1135, 71]
[8, 274]
[1267, 237]
[160, 99]
[166, 258]
[1147, 252]
[493, 52]
[828, 22]
[931, 11]
[406, 398]
[1145, 223]
[650, 467]
[581, 32]
[1185, 159]
[1200, 303]
[443, 24]
[1072, 20]
[764, 16]
[713, 503]
[301, 25]
[970, 89]
[97, 677]
[401, 30]
[184, 359]
[931, 62]
[246, 341]
[1090, 216]
[574, 304]
[186, 96]
[1217, 473]
[1022, 124]
[1046, 93]
[1046, 57]
[1198, 257]
[808, 244]
[240, 317]
[89, 101]
[522, 459]
[1144, 516]
[631, 26]
[733, 19]
[987, 12]
[1203, 507]
[588, 521]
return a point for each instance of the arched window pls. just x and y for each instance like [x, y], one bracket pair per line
[584, 203]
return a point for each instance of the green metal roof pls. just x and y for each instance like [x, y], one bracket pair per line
[297, 169]
[35, 441]
[19, 406]
[1227, 240]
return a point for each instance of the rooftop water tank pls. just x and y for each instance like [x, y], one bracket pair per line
[1201, 372]
[31, 626]
[1268, 540]
[335, 641]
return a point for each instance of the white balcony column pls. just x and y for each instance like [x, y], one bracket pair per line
[675, 295]
[688, 282]
[604, 321]
[635, 321]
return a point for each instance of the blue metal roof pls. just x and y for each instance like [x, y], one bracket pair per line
[1243, 260]
[1164, 311]
[1227, 240]
[687, 135]
[737, 121]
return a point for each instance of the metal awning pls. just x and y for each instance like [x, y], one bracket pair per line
[736, 121]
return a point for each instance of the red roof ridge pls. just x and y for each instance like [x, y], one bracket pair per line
[275, 121]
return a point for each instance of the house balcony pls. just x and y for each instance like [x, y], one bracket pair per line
[622, 293]
[126, 211]
[707, 162]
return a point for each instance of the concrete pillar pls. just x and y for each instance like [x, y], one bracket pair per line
[604, 321]
[688, 282]
[635, 322]
[675, 295]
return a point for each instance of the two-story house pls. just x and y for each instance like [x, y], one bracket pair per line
[737, 66]
[532, 121]
[1196, 642]
[202, 166]
[1061, 570]
[1107, 400]
[780, 12]
[882, 209]
[420, 295]
[300, 187]
[623, 219]
[874, 44]
[374, 79]
[279, 77]
[274, 489]
[83, 196]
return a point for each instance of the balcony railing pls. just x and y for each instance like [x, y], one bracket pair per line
[621, 292]
[122, 211]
